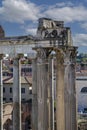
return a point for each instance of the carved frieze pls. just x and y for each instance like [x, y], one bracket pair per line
[54, 30]
[73, 55]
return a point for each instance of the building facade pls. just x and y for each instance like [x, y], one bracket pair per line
[81, 93]
[25, 115]
[26, 89]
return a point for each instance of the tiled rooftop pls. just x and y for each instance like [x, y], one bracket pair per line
[24, 80]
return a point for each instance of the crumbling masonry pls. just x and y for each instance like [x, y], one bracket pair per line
[53, 45]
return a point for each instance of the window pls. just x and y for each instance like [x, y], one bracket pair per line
[4, 99]
[85, 110]
[10, 90]
[23, 99]
[84, 90]
[3, 89]
[30, 91]
[10, 99]
[22, 90]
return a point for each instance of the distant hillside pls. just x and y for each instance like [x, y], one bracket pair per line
[81, 58]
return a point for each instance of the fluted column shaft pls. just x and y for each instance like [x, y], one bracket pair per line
[73, 98]
[16, 94]
[60, 114]
[1, 94]
[67, 95]
[42, 84]
[70, 91]
[51, 94]
[34, 94]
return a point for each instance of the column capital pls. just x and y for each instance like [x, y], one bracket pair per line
[42, 53]
[1, 56]
[73, 56]
[16, 59]
[67, 58]
[70, 55]
[16, 56]
[59, 56]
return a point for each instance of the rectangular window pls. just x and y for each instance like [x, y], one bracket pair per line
[22, 90]
[10, 90]
[30, 91]
[4, 99]
[3, 89]
[23, 99]
[10, 99]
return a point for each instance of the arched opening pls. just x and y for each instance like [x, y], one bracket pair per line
[8, 125]
[78, 128]
[84, 90]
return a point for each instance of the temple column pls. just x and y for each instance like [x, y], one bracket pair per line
[17, 93]
[60, 114]
[51, 94]
[42, 84]
[67, 91]
[34, 94]
[70, 92]
[1, 93]
[72, 80]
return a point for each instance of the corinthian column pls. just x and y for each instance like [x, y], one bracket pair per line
[51, 93]
[67, 91]
[1, 94]
[17, 93]
[70, 92]
[34, 94]
[42, 84]
[60, 115]
[73, 90]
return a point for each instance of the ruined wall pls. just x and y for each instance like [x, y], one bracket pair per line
[54, 30]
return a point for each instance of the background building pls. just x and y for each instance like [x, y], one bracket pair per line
[25, 114]
[81, 92]
[26, 89]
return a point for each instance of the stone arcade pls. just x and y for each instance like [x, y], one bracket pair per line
[52, 36]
